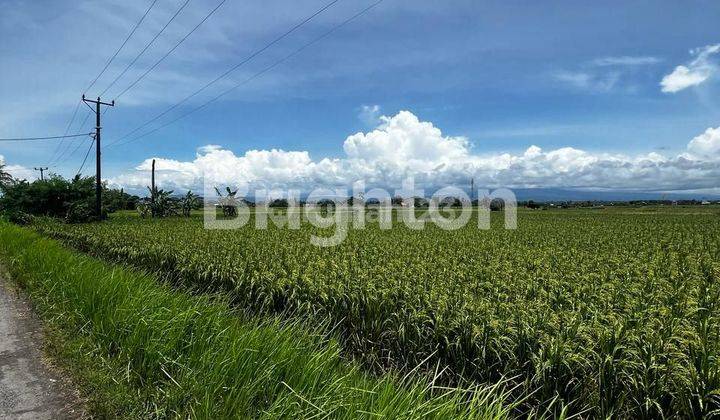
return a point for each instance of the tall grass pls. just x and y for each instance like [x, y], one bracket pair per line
[144, 350]
[614, 313]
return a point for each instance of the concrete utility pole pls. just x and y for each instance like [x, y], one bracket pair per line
[41, 169]
[98, 182]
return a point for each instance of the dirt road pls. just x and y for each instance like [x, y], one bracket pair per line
[29, 387]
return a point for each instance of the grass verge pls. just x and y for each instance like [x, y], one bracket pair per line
[141, 349]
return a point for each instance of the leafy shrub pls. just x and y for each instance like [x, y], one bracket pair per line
[81, 212]
[71, 200]
[143, 209]
[50, 197]
[115, 200]
[18, 217]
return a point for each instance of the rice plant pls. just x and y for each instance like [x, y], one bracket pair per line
[612, 313]
[170, 354]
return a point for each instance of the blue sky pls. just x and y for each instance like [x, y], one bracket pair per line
[503, 76]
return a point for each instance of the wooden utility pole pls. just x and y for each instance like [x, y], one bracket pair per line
[98, 181]
[152, 189]
[41, 169]
[472, 190]
[152, 183]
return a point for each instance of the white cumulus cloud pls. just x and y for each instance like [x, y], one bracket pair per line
[700, 69]
[402, 145]
[707, 143]
[18, 171]
[405, 138]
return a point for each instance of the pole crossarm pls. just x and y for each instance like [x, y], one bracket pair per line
[42, 170]
[98, 101]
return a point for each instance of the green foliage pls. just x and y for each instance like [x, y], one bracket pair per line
[616, 312]
[5, 177]
[420, 202]
[142, 350]
[71, 200]
[114, 200]
[279, 203]
[143, 209]
[189, 202]
[18, 217]
[228, 203]
[162, 204]
[82, 212]
[51, 197]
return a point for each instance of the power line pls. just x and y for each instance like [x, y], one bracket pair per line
[77, 106]
[230, 70]
[82, 126]
[84, 121]
[169, 52]
[55, 157]
[44, 138]
[71, 154]
[77, 147]
[121, 46]
[63, 154]
[85, 158]
[256, 75]
[149, 44]
[67, 129]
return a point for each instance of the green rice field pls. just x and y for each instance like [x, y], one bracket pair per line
[603, 312]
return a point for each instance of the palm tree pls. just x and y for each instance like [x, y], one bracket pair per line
[5, 177]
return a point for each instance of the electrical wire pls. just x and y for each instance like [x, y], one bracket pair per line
[71, 154]
[44, 138]
[67, 130]
[227, 72]
[82, 125]
[85, 158]
[148, 45]
[62, 155]
[77, 106]
[169, 52]
[254, 76]
[121, 46]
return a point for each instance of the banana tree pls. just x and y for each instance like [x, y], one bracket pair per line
[188, 202]
[228, 203]
[162, 204]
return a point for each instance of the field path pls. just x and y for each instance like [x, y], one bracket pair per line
[29, 387]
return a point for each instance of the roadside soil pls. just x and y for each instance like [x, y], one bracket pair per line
[30, 387]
